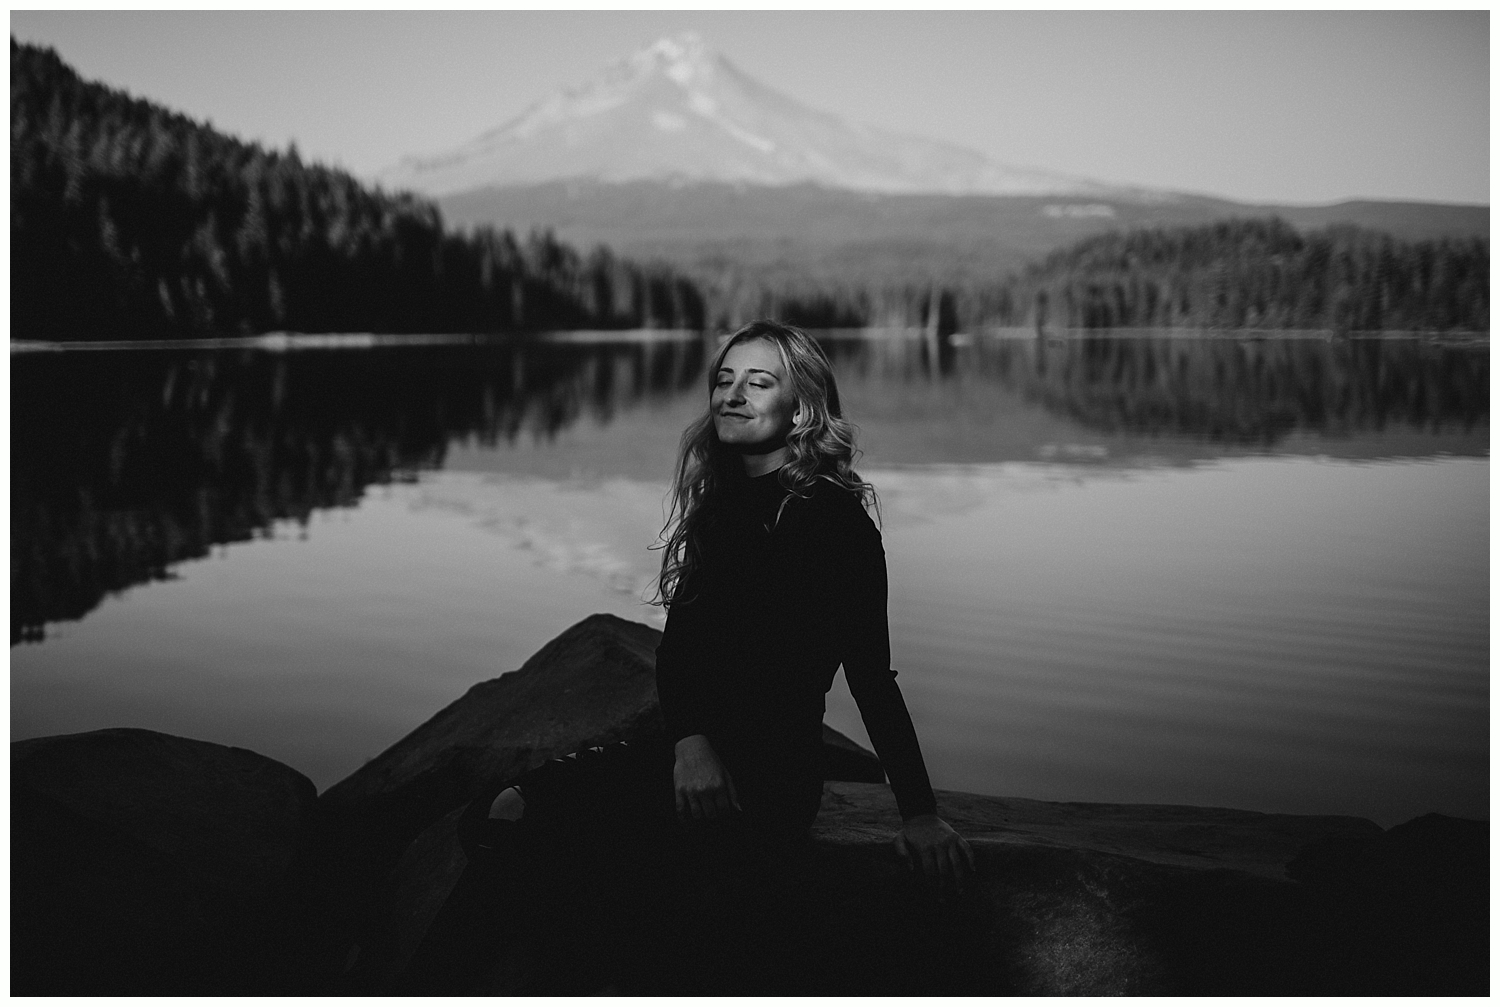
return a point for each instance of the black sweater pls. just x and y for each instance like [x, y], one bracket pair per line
[755, 636]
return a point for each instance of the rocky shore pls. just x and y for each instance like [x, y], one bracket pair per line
[148, 864]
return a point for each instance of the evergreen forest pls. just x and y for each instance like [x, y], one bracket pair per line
[131, 221]
[1234, 274]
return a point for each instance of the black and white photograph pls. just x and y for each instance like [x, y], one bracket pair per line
[749, 503]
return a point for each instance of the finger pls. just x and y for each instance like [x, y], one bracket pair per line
[904, 850]
[938, 873]
[963, 868]
[695, 802]
[682, 806]
[944, 877]
[723, 804]
[930, 866]
[953, 875]
[734, 795]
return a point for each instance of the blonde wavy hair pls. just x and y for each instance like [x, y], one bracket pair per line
[822, 447]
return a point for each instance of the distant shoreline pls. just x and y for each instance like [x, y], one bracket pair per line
[284, 341]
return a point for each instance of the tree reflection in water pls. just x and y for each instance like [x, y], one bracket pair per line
[127, 462]
[124, 463]
[1222, 388]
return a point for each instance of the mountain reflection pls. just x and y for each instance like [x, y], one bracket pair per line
[127, 462]
[124, 463]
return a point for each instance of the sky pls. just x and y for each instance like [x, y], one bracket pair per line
[1290, 107]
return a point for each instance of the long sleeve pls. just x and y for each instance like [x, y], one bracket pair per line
[679, 686]
[862, 624]
[781, 598]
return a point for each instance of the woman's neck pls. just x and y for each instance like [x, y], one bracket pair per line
[759, 465]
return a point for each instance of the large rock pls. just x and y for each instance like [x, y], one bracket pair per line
[847, 760]
[1070, 899]
[1074, 898]
[147, 864]
[593, 685]
[1084, 899]
[143, 863]
[1411, 904]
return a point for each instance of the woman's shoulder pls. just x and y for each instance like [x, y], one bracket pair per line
[834, 507]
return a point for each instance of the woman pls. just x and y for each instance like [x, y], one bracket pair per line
[773, 576]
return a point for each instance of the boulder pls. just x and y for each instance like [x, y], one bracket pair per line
[593, 685]
[1410, 905]
[1433, 853]
[147, 864]
[143, 863]
[1083, 899]
[847, 760]
[1070, 899]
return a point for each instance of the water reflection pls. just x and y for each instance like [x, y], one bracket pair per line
[1223, 389]
[125, 463]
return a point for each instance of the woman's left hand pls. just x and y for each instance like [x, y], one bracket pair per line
[929, 844]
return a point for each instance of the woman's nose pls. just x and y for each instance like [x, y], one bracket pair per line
[737, 392]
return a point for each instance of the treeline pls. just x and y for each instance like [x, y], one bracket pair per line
[131, 221]
[1235, 274]
[1259, 274]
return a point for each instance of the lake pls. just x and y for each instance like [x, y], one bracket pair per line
[1238, 571]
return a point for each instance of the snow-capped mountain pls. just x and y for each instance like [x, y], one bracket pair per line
[679, 111]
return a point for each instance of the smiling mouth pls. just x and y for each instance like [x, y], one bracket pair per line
[734, 416]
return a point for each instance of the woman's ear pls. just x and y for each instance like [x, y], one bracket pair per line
[797, 416]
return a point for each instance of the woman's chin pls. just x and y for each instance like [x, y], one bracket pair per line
[749, 442]
[761, 450]
[738, 438]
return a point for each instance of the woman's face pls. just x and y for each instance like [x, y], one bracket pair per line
[752, 401]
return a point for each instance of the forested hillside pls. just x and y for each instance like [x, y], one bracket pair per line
[1262, 274]
[774, 233]
[130, 221]
[1257, 274]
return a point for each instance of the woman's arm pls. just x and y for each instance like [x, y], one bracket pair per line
[859, 620]
[926, 842]
[700, 782]
[683, 706]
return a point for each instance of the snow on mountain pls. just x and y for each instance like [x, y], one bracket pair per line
[679, 111]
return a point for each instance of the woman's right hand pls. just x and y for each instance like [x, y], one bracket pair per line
[704, 789]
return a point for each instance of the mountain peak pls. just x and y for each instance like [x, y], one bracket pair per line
[684, 58]
[677, 110]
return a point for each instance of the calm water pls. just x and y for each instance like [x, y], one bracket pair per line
[1240, 572]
